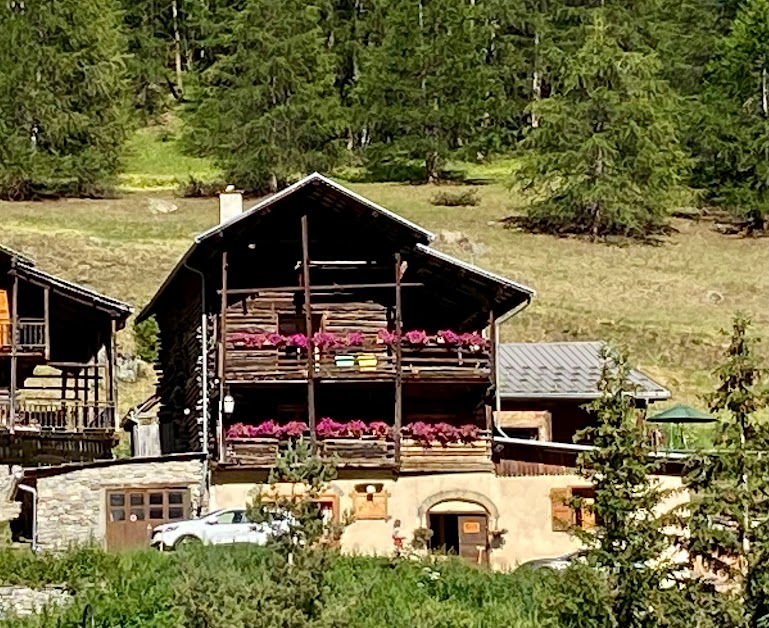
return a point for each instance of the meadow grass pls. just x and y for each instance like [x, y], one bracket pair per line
[665, 303]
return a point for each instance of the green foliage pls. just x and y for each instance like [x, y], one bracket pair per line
[729, 522]
[734, 144]
[628, 542]
[63, 111]
[268, 112]
[463, 198]
[605, 159]
[146, 339]
[423, 83]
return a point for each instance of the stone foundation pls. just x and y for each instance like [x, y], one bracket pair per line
[9, 509]
[71, 506]
[16, 600]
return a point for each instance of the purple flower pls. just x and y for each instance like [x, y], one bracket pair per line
[416, 337]
[276, 340]
[469, 433]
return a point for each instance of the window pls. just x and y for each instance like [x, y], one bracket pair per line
[231, 516]
[572, 506]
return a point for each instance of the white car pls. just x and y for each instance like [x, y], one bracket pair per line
[229, 525]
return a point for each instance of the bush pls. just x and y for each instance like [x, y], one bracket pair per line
[197, 188]
[463, 198]
[146, 339]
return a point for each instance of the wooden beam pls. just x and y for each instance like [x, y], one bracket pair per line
[111, 356]
[308, 330]
[222, 362]
[335, 286]
[47, 317]
[14, 348]
[398, 360]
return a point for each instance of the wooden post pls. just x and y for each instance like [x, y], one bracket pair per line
[14, 348]
[309, 331]
[111, 356]
[492, 369]
[398, 361]
[47, 317]
[222, 360]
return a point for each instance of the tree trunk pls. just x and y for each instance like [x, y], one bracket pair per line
[177, 46]
[432, 162]
[597, 206]
[536, 82]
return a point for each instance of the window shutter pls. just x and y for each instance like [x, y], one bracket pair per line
[560, 509]
[588, 515]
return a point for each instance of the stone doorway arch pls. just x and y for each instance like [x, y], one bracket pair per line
[459, 495]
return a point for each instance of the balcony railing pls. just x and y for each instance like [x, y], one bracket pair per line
[371, 361]
[30, 336]
[68, 415]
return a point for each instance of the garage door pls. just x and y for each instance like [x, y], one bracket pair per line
[132, 513]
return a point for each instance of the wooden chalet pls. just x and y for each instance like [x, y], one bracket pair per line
[57, 356]
[318, 307]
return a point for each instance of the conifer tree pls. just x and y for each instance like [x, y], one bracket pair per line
[423, 86]
[605, 159]
[63, 111]
[628, 542]
[729, 520]
[268, 111]
[734, 165]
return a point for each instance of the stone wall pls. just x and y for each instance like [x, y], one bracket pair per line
[71, 505]
[20, 601]
[9, 509]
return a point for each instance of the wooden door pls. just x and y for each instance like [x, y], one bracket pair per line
[473, 538]
[132, 513]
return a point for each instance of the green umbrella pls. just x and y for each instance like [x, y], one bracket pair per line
[681, 414]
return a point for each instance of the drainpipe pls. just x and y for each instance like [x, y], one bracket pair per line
[33, 491]
[204, 378]
[497, 323]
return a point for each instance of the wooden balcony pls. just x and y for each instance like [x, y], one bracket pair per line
[31, 336]
[371, 362]
[347, 452]
[59, 415]
[446, 458]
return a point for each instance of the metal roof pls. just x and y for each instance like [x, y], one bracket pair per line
[561, 370]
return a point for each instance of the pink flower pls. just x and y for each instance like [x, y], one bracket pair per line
[328, 428]
[292, 429]
[297, 340]
[238, 430]
[267, 429]
[355, 339]
[385, 337]
[380, 429]
[473, 339]
[445, 433]
[469, 433]
[325, 340]
[416, 337]
[275, 340]
[449, 337]
[356, 429]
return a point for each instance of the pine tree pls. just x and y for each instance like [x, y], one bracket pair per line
[628, 542]
[423, 86]
[63, 110]
[734, 165]
[268, 111]
[605, 159]
[729, 520]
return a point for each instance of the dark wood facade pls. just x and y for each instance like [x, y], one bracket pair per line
[245, 321]
[57, 356]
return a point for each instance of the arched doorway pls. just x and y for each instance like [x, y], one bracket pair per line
[460, 522]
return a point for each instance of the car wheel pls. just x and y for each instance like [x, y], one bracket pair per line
[187, 540]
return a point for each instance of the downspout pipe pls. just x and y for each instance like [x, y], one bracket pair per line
[204, 376]
[33, 491]
[497, 324]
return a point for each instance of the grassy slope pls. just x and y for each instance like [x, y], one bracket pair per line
[656, 300]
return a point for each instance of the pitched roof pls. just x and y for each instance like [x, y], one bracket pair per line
[561, 370]
[325, 193]
[26, 268]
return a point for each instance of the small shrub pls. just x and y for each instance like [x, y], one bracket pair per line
[146, 339]
[197, 188]
[463, 198]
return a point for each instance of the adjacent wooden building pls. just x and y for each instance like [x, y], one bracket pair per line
[57, 366]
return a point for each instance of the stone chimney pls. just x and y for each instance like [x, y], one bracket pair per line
[230, 204]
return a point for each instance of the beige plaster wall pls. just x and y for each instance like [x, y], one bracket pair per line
[523, 505]
[71, 506]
